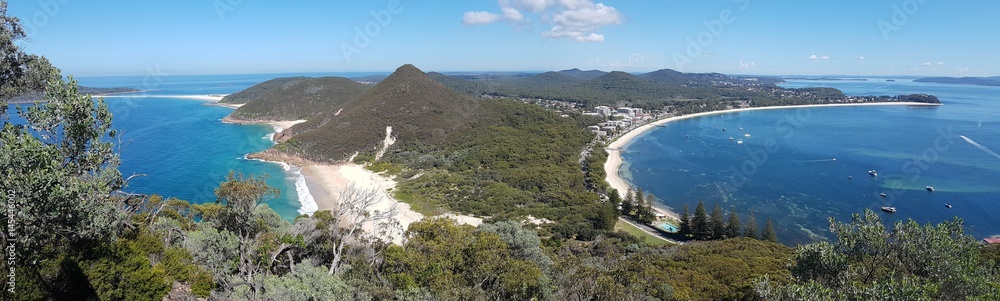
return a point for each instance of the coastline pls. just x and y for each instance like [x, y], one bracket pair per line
[209, 97]
[614, 162]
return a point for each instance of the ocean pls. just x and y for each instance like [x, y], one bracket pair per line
[801, 166]
[180, 146]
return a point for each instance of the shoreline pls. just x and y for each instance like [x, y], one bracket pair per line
[206, 97]
[613, 165]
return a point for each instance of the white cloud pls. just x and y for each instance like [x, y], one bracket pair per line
[747, 65]
[479, 18]
[578, 20]
[926, 64]
[559, 32]
[940, 63]
[509, 13]
[861, 58]
[814, 57]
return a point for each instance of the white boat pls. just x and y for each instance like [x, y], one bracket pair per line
[882, 194]
[730, 138]
[873, 173]
[930, 188]
[739, 141]
[889, 209]
[947, 205]
[746, 135]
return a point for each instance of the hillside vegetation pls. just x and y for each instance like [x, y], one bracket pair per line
[294, 98]
[482, 156]
[686, 92]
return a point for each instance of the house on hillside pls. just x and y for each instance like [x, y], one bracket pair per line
[991, 240]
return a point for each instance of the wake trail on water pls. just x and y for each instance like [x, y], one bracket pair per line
[980, 146]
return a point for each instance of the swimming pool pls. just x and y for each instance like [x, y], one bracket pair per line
[669, 228]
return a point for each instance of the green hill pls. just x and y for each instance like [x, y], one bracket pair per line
[420, 111]
[492, 157]
[294, 98]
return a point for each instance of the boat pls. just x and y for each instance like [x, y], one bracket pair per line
[930, 188]
[882, 194]
[746, 135]
[850, 178]
[947, 205]
[873, 173]
[739, 141]
[889, 209]
[741, 129]
[730, 138]
[723, 129]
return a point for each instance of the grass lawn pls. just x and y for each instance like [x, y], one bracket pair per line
[650, 239]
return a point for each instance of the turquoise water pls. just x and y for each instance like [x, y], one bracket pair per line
[182, 147]
[801, 166]
[669, 228]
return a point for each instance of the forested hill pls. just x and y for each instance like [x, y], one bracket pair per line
[688, 92]
[294, 98]
[489, 157]
[420, 112]
[981, 81]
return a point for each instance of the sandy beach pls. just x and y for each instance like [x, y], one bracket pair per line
[333, 179]
[612, 166]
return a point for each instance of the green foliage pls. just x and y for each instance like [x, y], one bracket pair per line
[733, 225]
[613, 269]
[126, 273]
[701, 226]
[750, 230]
[307, 282]
[456, 263]
[769, 233]
[910, 262]
[294, 98]
[717, 222]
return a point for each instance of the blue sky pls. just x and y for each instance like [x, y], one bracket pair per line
[846, 37]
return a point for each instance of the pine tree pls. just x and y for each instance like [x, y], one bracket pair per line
[718, 222]
[685, 226]
[769, 233]
[700, 226]
[734, 226]
[751, 227]
[645, 209]
[628, 203]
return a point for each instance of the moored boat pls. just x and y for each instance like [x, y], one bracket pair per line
[889, 209]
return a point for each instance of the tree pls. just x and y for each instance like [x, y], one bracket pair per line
[769, 234]
[718, 222]
[628, 204]
[700, 224]
[242, 195]
[19, 72]
[751, 227]
[734, 228]
[60, 170]
[869, 262]
[355, 212]
[685, 222]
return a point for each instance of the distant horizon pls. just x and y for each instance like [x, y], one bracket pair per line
[893, 38]
[371, 73]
